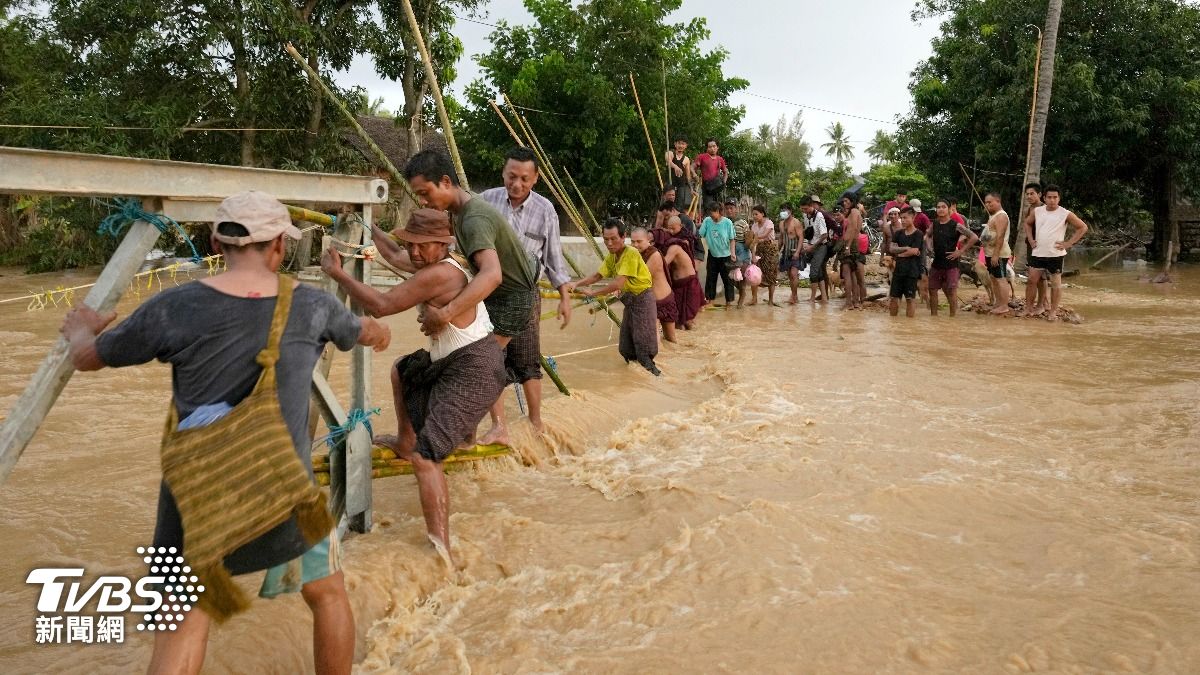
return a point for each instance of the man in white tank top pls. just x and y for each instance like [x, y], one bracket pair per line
[441, 393]
[1050, 246]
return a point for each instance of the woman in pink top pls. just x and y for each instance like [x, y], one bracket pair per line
[765, 253]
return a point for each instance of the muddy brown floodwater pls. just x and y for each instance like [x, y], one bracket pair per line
[806, 490]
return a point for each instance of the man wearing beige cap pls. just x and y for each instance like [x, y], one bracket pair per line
[213, 333]
[442, 393]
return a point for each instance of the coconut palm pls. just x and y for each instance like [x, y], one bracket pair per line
[882, 147]
[838, 146]
[1041, 113]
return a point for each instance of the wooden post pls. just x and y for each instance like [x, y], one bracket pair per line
[437, 94]
[52, 376]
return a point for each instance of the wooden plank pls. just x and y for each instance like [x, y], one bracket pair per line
[358, 445]
[55, 371]
[27, 171]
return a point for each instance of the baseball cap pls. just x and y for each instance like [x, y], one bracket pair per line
[817, 200]
[731, 202]
[263, 216]
[894, 209]
[426, 225]
[915, 203]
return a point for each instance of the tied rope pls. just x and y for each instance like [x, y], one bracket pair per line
[129, 210]
[353, 418]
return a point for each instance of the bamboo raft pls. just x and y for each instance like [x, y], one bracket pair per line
[385, 463]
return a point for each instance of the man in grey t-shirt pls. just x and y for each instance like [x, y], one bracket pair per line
[210, 331]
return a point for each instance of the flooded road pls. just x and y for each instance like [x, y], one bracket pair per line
[806, 490]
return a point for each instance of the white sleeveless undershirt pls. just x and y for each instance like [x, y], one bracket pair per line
[1050, 228]
[452, 337]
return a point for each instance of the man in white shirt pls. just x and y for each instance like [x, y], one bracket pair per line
[816, 247]
[1050, 246]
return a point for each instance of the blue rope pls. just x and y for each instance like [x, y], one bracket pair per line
[552, 363]
[354, 418]
[128, 210]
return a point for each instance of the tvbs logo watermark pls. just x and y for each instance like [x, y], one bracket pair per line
[70, 613]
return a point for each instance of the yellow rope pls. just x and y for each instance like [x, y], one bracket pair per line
[42, 299]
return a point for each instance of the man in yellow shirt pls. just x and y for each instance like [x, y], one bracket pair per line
[630, 276]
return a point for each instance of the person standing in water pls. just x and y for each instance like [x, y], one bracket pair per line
[997, 252]
[791, 231]
[816, 249]
[630, 276]
[766, 252]
[905, 247]
[685, 284]
[504, 275]
[443, 392]
[718, 236]
[1050, 246]
[947, 238]
[1033, 198]
[213, 332]
[534, 221]
[664, 297]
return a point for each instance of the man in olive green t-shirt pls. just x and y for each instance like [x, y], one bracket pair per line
[629, 274]
[505, 278]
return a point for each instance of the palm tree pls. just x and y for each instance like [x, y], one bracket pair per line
[838, 146]
[765, 135]
[882, 147]
[375, 108]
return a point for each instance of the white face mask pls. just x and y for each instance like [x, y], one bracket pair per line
[784, 215]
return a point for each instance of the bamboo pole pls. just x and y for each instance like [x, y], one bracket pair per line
[437, 94]
[337, 102]
[383, 456]
[666, 115]
[315, 217]
[972, 184]
[650, 143]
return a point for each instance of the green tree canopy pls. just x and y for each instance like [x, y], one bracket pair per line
[570, 71]
[1125, 112]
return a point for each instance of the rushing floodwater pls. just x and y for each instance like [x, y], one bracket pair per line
[806, 490]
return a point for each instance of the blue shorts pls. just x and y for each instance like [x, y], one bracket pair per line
[322, 560]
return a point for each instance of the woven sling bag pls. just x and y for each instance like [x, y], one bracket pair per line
[238, 478]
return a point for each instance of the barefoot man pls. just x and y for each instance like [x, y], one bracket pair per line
[213, 334]
[535, 223]
[505, 276]
[997, 250]
[441, 393]
[1050, 246]
[630, 276]
[791, 230]
[668, 312]
[680, 259]
[947, 239]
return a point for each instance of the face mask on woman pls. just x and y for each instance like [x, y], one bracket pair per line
[785, 214]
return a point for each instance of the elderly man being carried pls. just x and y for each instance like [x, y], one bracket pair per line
[443, 392]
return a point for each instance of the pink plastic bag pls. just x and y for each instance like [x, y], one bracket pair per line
[753, 275]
